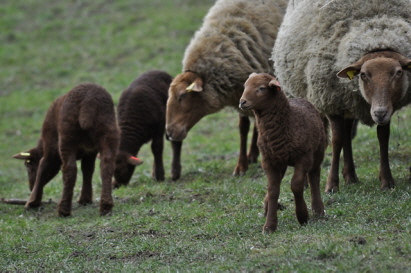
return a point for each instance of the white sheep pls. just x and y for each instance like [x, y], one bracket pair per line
[319, 39]
[236, 38]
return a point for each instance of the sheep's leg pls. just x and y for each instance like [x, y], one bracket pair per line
[242, 164]
[48, 169]
[87, 168]
[107, 165]
[69, 169]
[349, 173]
[297, 187]
[274, 177]
[157, 146]
[176, 164]
[383, 133]
[253, 152]
[314, 180]
[337, 128]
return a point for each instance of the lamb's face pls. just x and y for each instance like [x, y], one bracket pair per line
[125, 165]
[257, 91]
[31, 161]
[383, 81]
[185, 106]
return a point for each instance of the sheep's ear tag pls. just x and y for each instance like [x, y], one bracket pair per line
[351, 74]
[25, 154]
[190, 87]
[135, 161]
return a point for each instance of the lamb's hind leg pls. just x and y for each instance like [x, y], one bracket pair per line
[69, 169]
[387, 181]
[242, 164]
[314, 180]
[297, 187]
[157, 146]
[176, 164]
[87, 168]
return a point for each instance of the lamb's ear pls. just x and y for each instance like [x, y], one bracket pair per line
[22, 155]
[252, 75]
[275, 84]
[196, 85]
[134, 161]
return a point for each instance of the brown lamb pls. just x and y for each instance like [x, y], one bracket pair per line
[291, 133]
[78, 125]
[141, 117]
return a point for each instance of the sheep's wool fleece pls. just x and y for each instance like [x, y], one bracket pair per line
[235, 39]
[318, 38]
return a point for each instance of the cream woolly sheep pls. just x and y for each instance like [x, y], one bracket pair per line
[78, 125]
[372, 39]
[291, 133]
[235, 39]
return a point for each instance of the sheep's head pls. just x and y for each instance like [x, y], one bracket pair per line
[31, 161]
[383, 81]
[257, 89]
[186, 105]
[125, 165]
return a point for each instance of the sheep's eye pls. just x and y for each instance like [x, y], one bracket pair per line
[363, 76]
[399, 73]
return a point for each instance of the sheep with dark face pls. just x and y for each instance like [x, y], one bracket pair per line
[291, 133]
[141, 117]
[78, 125]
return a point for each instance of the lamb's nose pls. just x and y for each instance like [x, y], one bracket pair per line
[242, 102]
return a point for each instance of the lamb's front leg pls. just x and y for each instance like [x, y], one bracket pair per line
[274, 177]
[387, 181]
[48, 169]
[337, 129]
[87, 168]
[297, 187]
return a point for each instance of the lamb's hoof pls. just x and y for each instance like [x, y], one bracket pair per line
[238, 172]
[32, 205]
[387, 186]
[64, 213]
[269, 230]
[106, 209]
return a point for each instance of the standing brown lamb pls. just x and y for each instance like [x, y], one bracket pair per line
[142, 117]
[291, 133]
[78, 125]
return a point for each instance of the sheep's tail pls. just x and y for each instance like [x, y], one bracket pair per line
[326, 123]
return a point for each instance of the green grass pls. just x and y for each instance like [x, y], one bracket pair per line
[206, 221]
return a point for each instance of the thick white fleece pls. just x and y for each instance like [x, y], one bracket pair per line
[318, 38]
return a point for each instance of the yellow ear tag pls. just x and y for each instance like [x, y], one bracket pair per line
[351, 74]
[28, 161]
[190, 87]
[25, 154]
[409, 66]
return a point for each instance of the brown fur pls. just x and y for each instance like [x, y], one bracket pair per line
[141, 117]
[291, 133]
[236, 38]
[78, 125]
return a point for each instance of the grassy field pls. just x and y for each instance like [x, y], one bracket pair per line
[208, 221]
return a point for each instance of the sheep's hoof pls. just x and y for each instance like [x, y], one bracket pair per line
[32, 205]
[105, 209]
[64, 213]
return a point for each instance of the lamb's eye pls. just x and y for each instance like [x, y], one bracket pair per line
[261, 89]
[181, 97]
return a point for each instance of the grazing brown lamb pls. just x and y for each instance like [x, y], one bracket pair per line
[141, 117]
[78, 125]
[291, 133]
